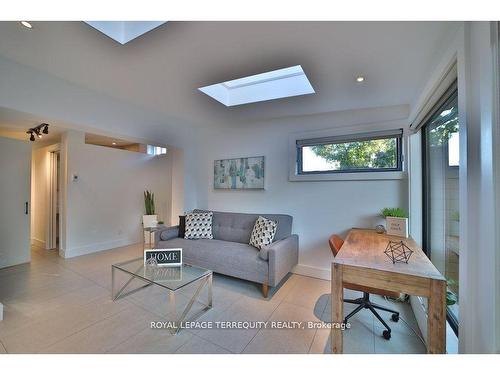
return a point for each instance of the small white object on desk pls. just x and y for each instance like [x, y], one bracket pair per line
[397, 226]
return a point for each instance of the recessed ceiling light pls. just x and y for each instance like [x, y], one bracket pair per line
[360, 79]
[276, 84]
[114, 143]
[26, 24]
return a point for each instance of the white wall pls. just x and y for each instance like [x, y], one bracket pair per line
[479, 266]
[104, 207]
[319, 208]
[176, 158]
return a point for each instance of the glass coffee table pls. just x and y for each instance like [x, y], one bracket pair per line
[171, 278]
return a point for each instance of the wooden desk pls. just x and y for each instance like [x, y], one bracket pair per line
[362, 261]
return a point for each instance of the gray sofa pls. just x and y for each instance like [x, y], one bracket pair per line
[229, 252]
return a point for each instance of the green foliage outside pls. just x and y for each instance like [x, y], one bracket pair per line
[451, 298]
[443, 126]
[379, 153]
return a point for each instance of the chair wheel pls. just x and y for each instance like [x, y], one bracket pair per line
[386, 334]
[395, 318]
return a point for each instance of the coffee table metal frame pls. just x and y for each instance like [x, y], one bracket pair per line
[206, 279]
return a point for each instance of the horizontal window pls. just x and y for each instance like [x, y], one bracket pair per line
[367, 152]
[156, 150]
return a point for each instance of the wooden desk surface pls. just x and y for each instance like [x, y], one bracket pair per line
[365, 248]
[362, 261]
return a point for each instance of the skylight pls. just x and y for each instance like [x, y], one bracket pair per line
[124, 31]
[277, 84]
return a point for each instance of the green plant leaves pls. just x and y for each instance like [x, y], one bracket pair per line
[149, 202]
[393, 212]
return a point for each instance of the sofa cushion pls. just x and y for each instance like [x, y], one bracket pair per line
[263, 232]
[198, 225]
[228, 258]
[237, 227]
[168, 233]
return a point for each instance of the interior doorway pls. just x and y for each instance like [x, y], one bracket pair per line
[53, 227]
[46, 198]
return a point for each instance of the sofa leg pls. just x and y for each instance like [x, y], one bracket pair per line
[265, 290]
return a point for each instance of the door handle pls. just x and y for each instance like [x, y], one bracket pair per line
[26, 208]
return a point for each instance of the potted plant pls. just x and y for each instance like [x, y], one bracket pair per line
[150, 219]
[396, 221]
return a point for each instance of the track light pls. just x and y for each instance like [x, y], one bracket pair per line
[39, 130]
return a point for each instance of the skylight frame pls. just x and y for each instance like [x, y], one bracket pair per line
[124, 31]
[275, 84]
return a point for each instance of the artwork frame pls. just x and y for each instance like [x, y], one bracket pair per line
[245, 173]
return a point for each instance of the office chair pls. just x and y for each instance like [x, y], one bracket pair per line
[364, 302]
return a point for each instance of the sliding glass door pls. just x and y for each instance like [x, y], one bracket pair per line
[441, 210]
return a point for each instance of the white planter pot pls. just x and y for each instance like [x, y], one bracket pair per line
[397, 226]
[149, 221]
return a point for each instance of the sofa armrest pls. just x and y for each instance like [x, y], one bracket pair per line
[166, 233]
[283, 255]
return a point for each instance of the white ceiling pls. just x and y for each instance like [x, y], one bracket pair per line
[161, 70]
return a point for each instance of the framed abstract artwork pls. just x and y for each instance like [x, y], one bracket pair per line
[242, 173]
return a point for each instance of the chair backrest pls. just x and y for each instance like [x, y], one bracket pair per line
[335, 243]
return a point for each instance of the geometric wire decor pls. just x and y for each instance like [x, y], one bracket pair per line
[398, 252]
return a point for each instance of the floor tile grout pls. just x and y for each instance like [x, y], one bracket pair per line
[316, 331]
[3, 346]
[86, 327]
[88, 277]
[204, 339]
[270, 315]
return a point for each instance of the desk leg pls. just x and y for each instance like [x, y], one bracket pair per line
[337, 308]
[436, 320]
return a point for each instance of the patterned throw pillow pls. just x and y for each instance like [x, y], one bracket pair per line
[263, 232]
[198, 225]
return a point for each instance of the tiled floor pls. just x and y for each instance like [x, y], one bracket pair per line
[55, 305]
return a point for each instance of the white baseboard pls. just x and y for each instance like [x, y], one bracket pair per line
[4, 263]
[94, 248]
[37, 242]
[319, 273]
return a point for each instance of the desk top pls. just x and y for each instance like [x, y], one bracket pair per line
[365, 248]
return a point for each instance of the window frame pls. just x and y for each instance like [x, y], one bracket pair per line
[360, 137]
[347, 133]
[450, 94]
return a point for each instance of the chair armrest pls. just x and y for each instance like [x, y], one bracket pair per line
[283, 255]
[167, 233]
